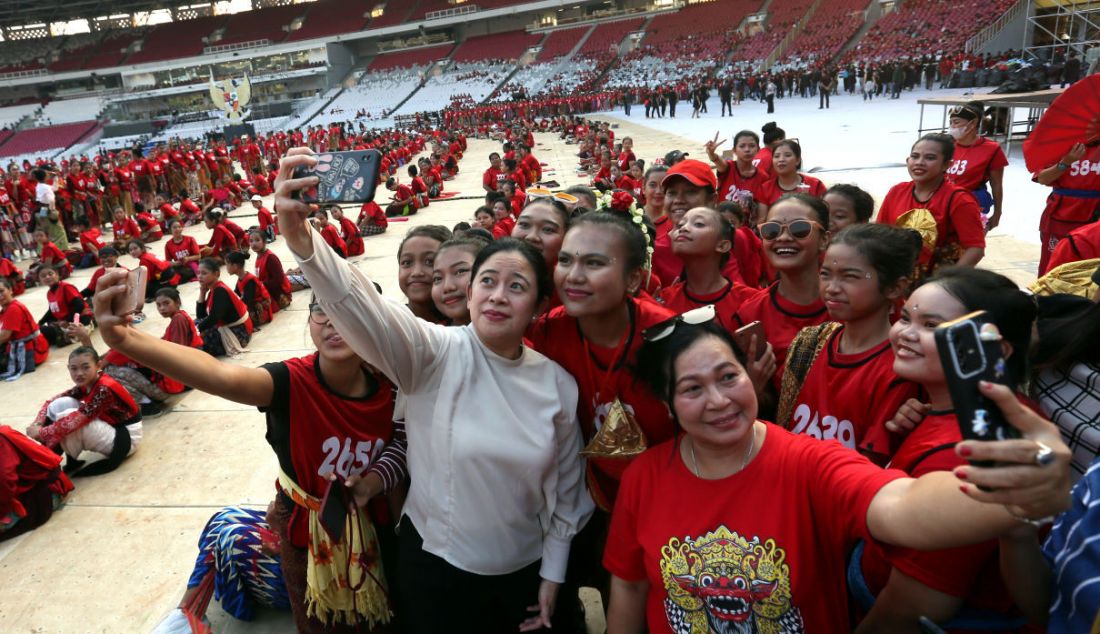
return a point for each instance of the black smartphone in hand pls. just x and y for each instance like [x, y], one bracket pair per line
[344, 177]
[334, 509]
[970, 350]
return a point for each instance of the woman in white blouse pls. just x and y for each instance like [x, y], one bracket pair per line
[497, 488]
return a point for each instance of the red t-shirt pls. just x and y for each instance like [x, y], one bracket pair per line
[679, 300]
[666, 264]
[971, 164]
[189, 207]
[147, 222]
[221, 240]
[849, 397]
[125, 229]
[168, 213]
[266, 219]
[350, 233]
[558, 336]
[153, 264]
[769, 190]
[59, 296]
[492, 178]
[315, 431]
[953, 571]
[1083, 243]
[781, 318]
[19, 321]
[769, 542]
[1081, 175]
[176, 251]
[763, 161]
[503, 227]
[748, 256]
[732, 184]
[332, 237]
[91, 242]
[958, 217]
[371, 210]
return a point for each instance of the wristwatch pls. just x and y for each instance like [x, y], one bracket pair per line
[1062, 166]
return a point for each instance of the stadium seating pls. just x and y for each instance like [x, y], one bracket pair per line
[782, 16]
[103, 53]
[829, 29]
[696, 31]
[53, 138]
[260, 25]
[371, 100]
[329, 17]
[472, 82]
[922, 27]
[406, 58]
[71, 110]
[24, 54]
[176, 39]
[12, 115]
[561, 42]
[503, 46]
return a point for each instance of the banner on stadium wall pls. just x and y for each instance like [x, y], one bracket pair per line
[231, 96]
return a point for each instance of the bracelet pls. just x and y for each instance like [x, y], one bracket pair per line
[1039, 523]
[1062, 166]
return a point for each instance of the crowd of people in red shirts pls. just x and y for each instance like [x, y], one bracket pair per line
[656, 318]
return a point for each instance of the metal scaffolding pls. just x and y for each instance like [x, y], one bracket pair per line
[1062, 25]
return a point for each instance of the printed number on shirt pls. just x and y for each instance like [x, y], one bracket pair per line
[346, 460]
[957, 168]
[1083, 167]
[824, 428]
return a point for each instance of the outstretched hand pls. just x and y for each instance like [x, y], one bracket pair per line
[112, 327]
[293, 213]
[1025, 487]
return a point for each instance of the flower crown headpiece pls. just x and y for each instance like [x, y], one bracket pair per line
[621, 202]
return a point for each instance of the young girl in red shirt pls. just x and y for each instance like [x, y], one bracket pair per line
[451, 278]
[250, 289]
[1073, 202]
[97, 414]
[348, 231]
[849, 390]
[124, 229]
[702, 241]
[947, 215]
[150, 227]
[741, 176]
[269, 270]
[221, 241]
[330, 233]
[48, 255]
[182, 252]
[939, 582]
[223, 319]
[65, 305]
[161, 273]
[416, 263]
[848, 205]
[22, 344]
[372, 220]
[795, 234]
[786, 176]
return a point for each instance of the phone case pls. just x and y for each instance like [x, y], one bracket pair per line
[345, 177]
[743, 337]
[334, 509]
[134, 298]
[970, 351]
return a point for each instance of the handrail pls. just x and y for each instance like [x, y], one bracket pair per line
[236, 46]
[983, 37]
[453, 11]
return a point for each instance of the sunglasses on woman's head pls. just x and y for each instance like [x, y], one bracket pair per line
[693, 317]
[798, 229]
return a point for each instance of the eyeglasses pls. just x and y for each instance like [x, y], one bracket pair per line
[693, 317]
[798, 229]
[317, 315]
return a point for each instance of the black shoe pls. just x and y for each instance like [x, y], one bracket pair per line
[151, 410]
[72, 465]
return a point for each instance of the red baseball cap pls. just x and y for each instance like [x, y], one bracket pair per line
[695, 172]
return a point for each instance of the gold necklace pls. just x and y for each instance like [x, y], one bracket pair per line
[744, 463]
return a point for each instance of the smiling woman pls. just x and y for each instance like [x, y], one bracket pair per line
[496, 499]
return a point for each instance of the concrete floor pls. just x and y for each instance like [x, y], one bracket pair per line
[117, 556]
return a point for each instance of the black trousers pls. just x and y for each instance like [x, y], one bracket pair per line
[435, 596]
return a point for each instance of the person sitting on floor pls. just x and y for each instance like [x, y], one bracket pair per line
[97, 414]
[32, 485]
[22, 346]
[65, 305]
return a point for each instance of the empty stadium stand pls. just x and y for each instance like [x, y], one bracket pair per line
[504, 46]
[407, 58]
[51, 138]
[176, 39]
[329, 17]
[262, 24]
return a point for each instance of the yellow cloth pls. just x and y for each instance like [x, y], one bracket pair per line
[1071, 278]
[329, 595]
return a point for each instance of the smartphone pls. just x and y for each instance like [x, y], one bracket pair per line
[334, 509]
[743, 337]
[344, 177]
[970, 351]
[134, 298]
